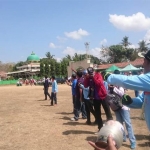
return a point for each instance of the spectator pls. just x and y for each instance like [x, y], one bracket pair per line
[123, 115]
[98, 94]
[46, 87]
[79, 104]
[137, 82]
[73, 83]
[54, 91]
[87, 101]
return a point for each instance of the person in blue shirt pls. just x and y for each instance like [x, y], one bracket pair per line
[54, 91]
[136, 82]
[88, 103]
[73, 88]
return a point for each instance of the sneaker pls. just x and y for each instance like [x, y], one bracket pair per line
[73, 119]
[133, 146]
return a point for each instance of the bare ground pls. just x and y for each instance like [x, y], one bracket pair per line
[28, 122]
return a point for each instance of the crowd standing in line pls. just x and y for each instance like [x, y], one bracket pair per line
[89, 92]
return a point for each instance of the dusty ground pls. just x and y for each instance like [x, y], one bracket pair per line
[27, 122]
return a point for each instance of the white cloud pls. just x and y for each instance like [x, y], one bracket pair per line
[61, 39]
[136, 22]
[71, 51]
[58, 59]
[95, 52]
[77, 34]
[147, 36]
[103, 42]
[133, 46]
[52, 45]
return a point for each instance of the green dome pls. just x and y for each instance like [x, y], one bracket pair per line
[33, 57]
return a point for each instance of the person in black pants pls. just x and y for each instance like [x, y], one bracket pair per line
[98, 94]
[46, 87]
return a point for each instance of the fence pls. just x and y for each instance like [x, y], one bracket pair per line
[8, 82]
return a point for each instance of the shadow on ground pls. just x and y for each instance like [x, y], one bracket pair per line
[41, 100]
[77, 132]
[91, 138]
[142, 137]
[65, 113]
[47, 105]
[65, 118]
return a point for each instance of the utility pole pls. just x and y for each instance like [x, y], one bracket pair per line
[87, 49]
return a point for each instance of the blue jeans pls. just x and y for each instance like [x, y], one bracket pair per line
[124, 116]
[79, 107]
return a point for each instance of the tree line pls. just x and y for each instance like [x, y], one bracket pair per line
[112, 54]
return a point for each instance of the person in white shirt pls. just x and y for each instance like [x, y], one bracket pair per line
[123, 115]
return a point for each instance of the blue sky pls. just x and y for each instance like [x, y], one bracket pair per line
[63, 26]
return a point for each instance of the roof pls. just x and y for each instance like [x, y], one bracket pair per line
[33, 57]
[137, 63]
[113, 68]
[130, 68]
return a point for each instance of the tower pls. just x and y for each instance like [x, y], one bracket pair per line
[87, 49]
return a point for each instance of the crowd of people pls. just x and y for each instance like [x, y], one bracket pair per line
[89, 93]
[90, 90]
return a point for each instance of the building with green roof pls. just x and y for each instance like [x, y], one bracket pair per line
[31, 68]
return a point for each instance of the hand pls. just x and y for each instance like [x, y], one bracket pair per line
[126, 99]
[110, 146]
[106, 75]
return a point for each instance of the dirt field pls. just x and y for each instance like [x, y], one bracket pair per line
[28, 122]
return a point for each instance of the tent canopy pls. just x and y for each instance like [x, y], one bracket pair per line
[130, 68]
[112, 68]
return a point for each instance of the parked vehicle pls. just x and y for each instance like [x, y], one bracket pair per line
[60, 80]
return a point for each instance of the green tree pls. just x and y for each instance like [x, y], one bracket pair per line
[125, 42]
[58, 69]
[42, 70]
[48, 55]
[47, 69]
[52, 68]
[143, 46]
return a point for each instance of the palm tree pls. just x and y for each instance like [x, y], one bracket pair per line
[69, 57]
[125, 42]
[143, 46]
[48, 55]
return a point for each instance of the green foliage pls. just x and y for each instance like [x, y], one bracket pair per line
[143, 46]
[42, 71]
[58, 69]
[125, 42]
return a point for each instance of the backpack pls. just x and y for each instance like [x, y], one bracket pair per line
[114, 101]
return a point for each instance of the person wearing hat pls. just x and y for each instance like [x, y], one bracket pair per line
[88, 103]
[137, 82]
[98, 94]
[123, 115]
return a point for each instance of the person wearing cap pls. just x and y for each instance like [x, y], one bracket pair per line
[88, 103]
[137, 82]
[98, 94]
[73, 88]
[79, 104]
[123, 115]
